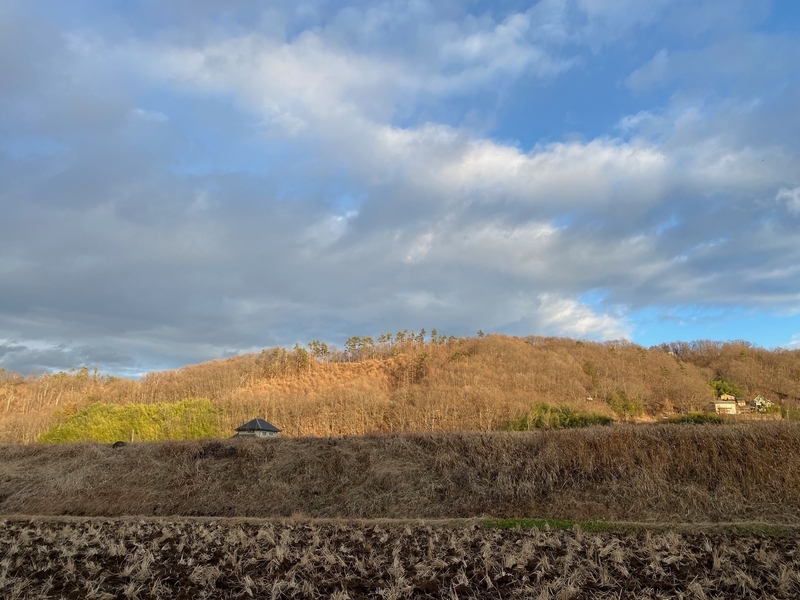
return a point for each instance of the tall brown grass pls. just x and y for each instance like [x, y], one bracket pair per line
[698, 473]
[450, 385]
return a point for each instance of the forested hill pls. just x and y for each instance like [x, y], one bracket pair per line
[412, 382]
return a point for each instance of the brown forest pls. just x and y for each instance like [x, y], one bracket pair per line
[412, 383]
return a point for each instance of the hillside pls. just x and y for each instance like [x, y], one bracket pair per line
[409, 382]
[654, 473]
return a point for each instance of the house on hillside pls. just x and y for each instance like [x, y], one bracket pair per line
[762, 405]
[257, 428]
[725, 407]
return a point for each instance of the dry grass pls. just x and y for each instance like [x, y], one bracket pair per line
[654, 473]
[469, 384]
[154, 558]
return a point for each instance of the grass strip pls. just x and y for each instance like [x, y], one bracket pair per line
[744, 529]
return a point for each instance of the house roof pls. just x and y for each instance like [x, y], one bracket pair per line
[258, 425]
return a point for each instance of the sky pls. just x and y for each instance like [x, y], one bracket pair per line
[184, 180]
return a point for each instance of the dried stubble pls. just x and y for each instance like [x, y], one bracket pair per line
[651, 473]
[82, 558]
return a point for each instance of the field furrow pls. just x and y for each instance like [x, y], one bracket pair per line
[220, 558]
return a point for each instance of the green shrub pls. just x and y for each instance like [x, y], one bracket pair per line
[544, 416]
[722, 386]
[791, 413]
[192, 418]
[624, 406]
[696, 418]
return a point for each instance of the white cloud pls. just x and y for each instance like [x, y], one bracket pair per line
[202, 202]
[421, 302]
[420, 247]
[312, 76]
[792, 199]
[485, 203]
[566, 174]
[149, 115]
[593, 23]
[573, 318]
[651, 74]
[521, 249]
[715, 164]
[505, 49]
[751, 64]
[329, 229]
[342, 101]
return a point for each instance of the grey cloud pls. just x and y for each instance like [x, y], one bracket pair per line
[19, 33]
[26, 359]
[6, 349]
[134, 249]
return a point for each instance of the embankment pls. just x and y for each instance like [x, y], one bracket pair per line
[655, 473]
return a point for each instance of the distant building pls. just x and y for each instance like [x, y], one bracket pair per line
[725, 407]
[727, 397]
[257, 428]
[762, 405]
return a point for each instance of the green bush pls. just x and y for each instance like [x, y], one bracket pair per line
[791, 413]
[722, 386]
[544, 416]
[192, 418]
[624, 406]
[696, 418]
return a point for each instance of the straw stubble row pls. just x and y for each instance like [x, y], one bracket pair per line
[155, 558]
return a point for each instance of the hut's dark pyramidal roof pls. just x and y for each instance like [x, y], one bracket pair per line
[258, 425]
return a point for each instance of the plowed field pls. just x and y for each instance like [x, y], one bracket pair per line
[220, 558]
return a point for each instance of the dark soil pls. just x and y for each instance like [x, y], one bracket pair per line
[188, 559]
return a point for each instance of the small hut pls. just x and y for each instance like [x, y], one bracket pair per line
[257, 428]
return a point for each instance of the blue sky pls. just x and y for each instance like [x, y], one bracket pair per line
[185, 180]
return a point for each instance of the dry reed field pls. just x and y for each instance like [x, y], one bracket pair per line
[195, 559]
[652, 473]
[413, 384]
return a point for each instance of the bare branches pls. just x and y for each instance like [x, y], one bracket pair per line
[412, 381]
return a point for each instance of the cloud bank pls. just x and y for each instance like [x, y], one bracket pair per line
[190, 181]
